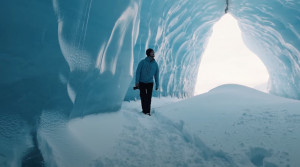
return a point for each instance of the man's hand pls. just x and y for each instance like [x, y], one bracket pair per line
[136, 87]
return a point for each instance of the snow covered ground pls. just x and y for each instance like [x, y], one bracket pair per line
[231, 125]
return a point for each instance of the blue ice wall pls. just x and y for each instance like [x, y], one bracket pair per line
[97, 40]
[271, 29]
[33, 75]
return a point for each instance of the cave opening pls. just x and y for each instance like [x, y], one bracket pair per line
[227, 60]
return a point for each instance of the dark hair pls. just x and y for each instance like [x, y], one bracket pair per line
[148, 51]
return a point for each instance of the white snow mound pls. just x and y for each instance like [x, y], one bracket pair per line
[231, 125]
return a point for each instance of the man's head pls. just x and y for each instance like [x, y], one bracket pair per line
[150, 53]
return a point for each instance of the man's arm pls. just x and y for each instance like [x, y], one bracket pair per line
[138, 74]
[157, 77]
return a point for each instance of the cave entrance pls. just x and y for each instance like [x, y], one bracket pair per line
[227, 60]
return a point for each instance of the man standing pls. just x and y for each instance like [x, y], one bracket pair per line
[146, 70]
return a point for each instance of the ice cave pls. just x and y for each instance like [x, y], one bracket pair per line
[67, 72]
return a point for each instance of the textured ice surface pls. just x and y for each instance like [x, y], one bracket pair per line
[271, 29]
[76, 58]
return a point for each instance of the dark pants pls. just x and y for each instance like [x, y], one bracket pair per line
[146, 95]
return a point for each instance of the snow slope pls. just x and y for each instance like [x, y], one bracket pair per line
[231, 125]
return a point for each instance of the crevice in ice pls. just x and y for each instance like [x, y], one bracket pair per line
[33, 156]
[227, 4]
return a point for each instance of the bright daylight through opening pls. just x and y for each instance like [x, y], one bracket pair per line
[227, 60]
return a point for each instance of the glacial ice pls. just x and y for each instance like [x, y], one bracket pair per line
[76, 58]
[88, 60]
[271, 30]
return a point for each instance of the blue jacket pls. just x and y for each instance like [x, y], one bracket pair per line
[146, 70]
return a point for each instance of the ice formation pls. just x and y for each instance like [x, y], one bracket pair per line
[85, 52]
[75, 58]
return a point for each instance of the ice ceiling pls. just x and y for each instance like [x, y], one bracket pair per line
[79, 57]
